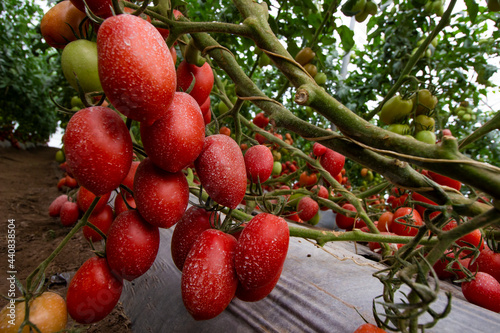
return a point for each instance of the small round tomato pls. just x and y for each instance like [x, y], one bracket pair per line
[406, 221]
[221, 169]
[426, 137]
[307, 208]
[385, 221]
[395, 109]
[307, 180]
[59, 24]
[102, 220]
[98, 149]
[140, 90]
[488, 262]
[209, 282]
[79, 62]
[161, 197]
[261, 251]
[176, 139]
[132, 245]
[47, 311]
[259, 163]
[204, 80]
[194, 221]
[93, 292]
[484, 291]
[344, 222]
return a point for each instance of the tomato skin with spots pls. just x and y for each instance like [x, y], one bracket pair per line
[102, 220]
[332, 161]
[175, 140]
[161, 197]
[132, 245]
[256, 294]
[98, 149]
[483, 291]
[136, 69]
[84, 199]
[209, 280]
[204, 80]
[221, 169]
[488, 262]
[259, 163]
[93, 292]
[261, 251]
[194, 221]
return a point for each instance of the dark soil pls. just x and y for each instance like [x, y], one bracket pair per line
[28, 184]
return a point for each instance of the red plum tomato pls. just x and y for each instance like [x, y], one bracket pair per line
[259, 163]
[209, 281]
[161, 197]
[204, 80]
[221, 169]
[141, 90]
[176, 139]
[98, 149]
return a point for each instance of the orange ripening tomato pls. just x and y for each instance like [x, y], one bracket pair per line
[57, 24]
[369, 328]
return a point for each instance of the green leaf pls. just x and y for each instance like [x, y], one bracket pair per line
[472, 9]
[346, 37]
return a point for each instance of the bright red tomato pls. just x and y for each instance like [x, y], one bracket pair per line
[260, 120]
[136, 69]
[132, 245]
[488, 262]
[259, 163]
[332, 161]
[205, 107]
[221, 169]
[474, 238]
[98, 149]
[345, 222]
[307, 180]
[175, 140]
[69, 213]
[55, 206]
[129, 179]
[385, 221]
[418, 197]
[84, 199]
[307, 208]
[93, 292]
[406, 221]
[445, 181]
[319, 149]
[161, 197]
[261, 251]
[194, 221]
[484, 291]
[209, 280]
[369, 328]
[102, 220]
[204, 80]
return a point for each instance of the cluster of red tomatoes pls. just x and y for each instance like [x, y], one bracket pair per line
[154, 193]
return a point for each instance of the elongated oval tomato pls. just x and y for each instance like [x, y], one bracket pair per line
[132, 245]
[259, 163]
[98, 149]
[204, 80]
[175, 140]
[256, 294]
[102, 220]
[261, 251]
[135, 67]
[93, 292]
[101, 8]
[221, 169]
[160, 196]
[209, 280]
[194, 221]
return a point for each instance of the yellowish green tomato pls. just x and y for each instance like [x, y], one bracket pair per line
[423, 122]
[314, 220]
[79, 60]
[395, 109]
[426, 136]
[277, 167]
[401, 129]
[425, 101]
[320, 78]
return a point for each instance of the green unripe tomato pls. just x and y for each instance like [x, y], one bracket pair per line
[277, 168]
[314, 220]
[359, 6]
[371, 7]
[426, 136]
[80, 58]
[395, 109]
[60, 156]
[467, 117]
[423, 122]
[401, 129]
[361, 16]
[320, 78]
[76, 101]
